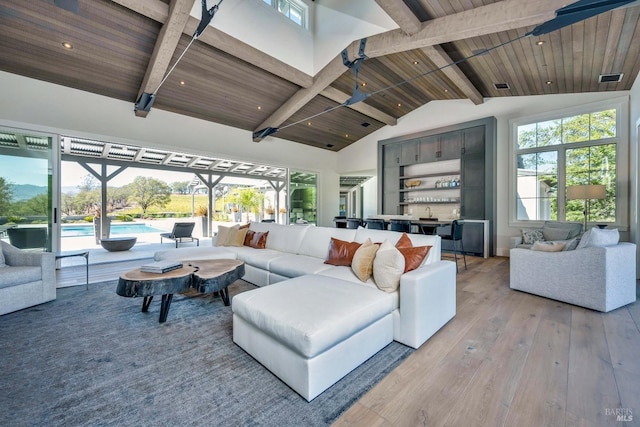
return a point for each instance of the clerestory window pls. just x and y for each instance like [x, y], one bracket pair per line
[295, 10]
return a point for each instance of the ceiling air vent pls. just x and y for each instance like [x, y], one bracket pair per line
[610, 78]
[365, 124]
[501, 86]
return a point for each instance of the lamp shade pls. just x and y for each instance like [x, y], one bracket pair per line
[586, 192]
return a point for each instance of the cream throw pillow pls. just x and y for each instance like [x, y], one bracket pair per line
[388, 266]
[548, 246]
[236, 236]
[223, 234]
[362, 262]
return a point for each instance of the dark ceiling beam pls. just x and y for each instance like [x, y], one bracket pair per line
[166, 44]
[410, 24]
[340, 97]
[159, 11]
[493, 18]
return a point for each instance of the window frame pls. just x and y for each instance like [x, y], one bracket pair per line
[621, 105]
[275, 5]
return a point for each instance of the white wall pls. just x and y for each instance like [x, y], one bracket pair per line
[39, 106]
[340, 22]
[363, 154]
[370, 197]
[634, 124]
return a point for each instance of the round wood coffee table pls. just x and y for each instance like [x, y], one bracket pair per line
[136, 283]
[215, 275]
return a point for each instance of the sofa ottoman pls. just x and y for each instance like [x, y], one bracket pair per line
[312, 330]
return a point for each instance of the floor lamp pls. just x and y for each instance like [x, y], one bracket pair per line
[586, 193]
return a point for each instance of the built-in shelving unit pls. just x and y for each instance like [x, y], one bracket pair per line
[463, 154]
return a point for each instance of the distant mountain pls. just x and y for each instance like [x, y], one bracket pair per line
[26, 191]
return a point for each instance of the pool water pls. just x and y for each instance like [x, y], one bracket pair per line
[75, 230]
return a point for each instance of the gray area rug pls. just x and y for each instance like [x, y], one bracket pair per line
[92, 358]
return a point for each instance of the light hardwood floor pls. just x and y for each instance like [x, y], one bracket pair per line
[506, 359]
[512, 359]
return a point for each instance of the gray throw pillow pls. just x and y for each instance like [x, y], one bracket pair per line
[606, 237]
[529, 237]
[555, 233]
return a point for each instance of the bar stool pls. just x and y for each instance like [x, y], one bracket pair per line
[455, 235]
[402, 225]
[354, 223]
[376, 224]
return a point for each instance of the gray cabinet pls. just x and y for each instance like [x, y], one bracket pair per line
[449, 146]
[391, 191]
[429, 149]
[410, 152]
[473, 141]
[473, 171]
[392, 155]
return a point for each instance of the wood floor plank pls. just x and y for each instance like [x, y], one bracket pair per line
[540, 399]
[359, 415]
[487, 399]
[432, 391]
[591, 384]
[624, 340]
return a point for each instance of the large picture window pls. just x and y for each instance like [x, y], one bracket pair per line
[552, 155]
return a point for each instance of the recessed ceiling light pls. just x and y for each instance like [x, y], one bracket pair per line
[364, 84]
[259, 107]
[446, 91]
[346, 135]
[181, 82]
[540, 42]
[399, 105]
[415, 62]
[308, 123]
[67, 45]
[548, 82]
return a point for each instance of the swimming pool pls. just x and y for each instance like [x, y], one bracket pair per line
[80, 230]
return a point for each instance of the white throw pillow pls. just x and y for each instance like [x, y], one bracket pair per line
[388, 267]
[603, 237]
[584, 239]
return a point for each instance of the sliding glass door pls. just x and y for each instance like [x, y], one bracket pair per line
[27, 183]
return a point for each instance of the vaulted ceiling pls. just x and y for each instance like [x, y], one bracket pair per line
[122, 48]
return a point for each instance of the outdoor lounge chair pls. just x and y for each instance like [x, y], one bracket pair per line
[181, 233]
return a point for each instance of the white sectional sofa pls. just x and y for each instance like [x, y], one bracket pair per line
[311, 323]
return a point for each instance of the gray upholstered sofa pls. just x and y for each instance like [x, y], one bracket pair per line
[597, 276]
[26, 278]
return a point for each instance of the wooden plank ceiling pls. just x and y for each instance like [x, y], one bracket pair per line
[118, 52]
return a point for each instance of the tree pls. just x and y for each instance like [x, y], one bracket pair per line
[249, 199]
[88, 183]
[6, 195]
[180, 187]
[149, 192]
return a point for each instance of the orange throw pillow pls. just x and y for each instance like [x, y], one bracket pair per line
[341, 252]
[256, 239]
[413, 257]
[404, 241]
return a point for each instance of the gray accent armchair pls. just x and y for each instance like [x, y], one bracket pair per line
[26, 278]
